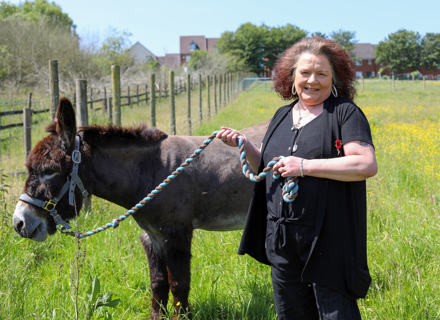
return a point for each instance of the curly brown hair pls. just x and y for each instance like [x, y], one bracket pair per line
[342, 67]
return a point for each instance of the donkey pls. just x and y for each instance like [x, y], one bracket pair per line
[123, 165]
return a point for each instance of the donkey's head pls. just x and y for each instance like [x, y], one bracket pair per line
[49, 167]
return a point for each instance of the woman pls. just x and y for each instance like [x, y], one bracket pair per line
[316, 245]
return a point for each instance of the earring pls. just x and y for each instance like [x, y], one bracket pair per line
[334, 91]
[293, 89]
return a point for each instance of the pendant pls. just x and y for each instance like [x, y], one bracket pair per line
[295, 147]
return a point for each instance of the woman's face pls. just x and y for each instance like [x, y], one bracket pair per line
[313, 78]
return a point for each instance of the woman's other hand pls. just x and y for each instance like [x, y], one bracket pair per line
[230, 136]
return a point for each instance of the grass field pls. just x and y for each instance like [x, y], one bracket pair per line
[49, 280]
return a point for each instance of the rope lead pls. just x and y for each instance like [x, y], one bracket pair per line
[290, 188]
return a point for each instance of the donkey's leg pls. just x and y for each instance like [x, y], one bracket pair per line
[158, 277]
[178, 258]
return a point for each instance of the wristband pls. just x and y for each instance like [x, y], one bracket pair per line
[301, 168]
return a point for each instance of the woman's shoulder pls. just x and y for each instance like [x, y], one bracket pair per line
[283, 110]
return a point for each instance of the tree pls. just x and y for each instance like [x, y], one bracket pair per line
[208, 63]
[114, 50]
[346, 39]
[37, 10]
[247, 44]
[7, 9]
[430, 57]
[279, 40]
[259, 47]
[399, 52]
[318, 34]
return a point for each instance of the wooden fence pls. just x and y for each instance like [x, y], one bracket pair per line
[225, 88]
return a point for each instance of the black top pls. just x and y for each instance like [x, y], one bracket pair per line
[338, 257]
[303, 209]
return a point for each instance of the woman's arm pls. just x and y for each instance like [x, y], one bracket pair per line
[229, 137]
[359, 163]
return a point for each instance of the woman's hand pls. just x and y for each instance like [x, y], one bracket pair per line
[289, 167]
[357, 164]
[230, 136]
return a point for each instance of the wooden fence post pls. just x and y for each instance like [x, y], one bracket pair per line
[160, 91]
[394, 87]
[220, 80]
[110, 110]
[30, 101]
[27, 125]
[128, 96]
[83, 120]
[200, 99]
[116, 83]
[91, 99]
[104, 103]
[153, 99]
[81, 107]
[215, 93]
[146, 94]
[208, 96]
[188, 93]
[362, 78]
[224, 89]
[54, 87]
[173, 105]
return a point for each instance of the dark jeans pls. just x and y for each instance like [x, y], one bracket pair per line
[295, 300]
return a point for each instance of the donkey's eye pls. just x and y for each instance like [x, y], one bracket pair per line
[48, 172]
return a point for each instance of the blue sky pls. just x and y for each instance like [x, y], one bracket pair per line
[158, 24]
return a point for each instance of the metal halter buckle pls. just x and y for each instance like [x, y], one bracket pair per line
[48, 203]
[76, 156]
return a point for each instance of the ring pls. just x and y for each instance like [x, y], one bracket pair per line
[281, 170]
[281, 163]
[223, 139]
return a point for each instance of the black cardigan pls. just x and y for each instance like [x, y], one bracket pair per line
[338, 258]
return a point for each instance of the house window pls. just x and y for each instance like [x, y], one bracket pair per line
[373, 74]
[369, 62]
[438, 66]
[358, 74]
[193, 46]
[187, 58]
[358, 62]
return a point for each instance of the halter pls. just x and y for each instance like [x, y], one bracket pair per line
[71, 184]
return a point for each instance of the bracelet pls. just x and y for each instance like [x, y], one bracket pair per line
[301, 168]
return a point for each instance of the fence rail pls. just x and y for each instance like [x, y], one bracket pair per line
[22, 120]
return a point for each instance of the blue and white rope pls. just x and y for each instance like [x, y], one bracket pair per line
[290, 188]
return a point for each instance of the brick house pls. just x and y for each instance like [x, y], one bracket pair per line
[366, 63]
[187, 45]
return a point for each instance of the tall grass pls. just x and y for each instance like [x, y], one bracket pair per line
[37, 279]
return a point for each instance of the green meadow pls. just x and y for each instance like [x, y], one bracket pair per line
[50, 280]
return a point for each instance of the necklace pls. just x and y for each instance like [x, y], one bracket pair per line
[295, 146]
[296, 124]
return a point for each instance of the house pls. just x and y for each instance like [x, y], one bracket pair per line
[172, 60]
[365, 60]
[140, 53]
[190, 43]
[187, 45]
[366, 64]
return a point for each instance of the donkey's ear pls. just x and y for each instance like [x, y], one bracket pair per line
[66, 122]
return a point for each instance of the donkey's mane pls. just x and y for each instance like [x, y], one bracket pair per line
[106, 133]
[111, 133]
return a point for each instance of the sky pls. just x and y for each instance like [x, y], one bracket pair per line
[159, 24]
